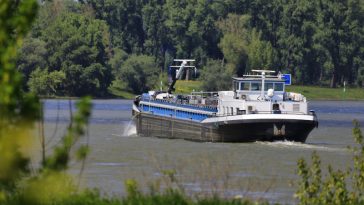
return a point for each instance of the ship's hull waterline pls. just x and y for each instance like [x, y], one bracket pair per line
[217, 130]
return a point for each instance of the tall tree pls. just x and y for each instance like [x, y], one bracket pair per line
[125, 21]
[192, 27]
[338, 33]
[32, 55]
[234, 43]
[260, 53]
[137, 74]
[243, 46]
[295, 40]
[156, 33]
[215, 76]
[78, 45]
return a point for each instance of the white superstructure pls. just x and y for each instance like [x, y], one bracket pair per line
[260, 94]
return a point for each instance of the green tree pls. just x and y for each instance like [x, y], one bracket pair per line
[266, 16]
[156, 33]
[243, 47]
[204, 35]
[260, 52]
[18, 112]
[137, 74]
[16, 109]
[215, 76]
[333, 187]
[179, 15]
[124, 18]
[192, 30]
[339, 37]
[46, 84]
[117, 59]
[295, 40]
[33, 54]
[79, 47]
[234, 43]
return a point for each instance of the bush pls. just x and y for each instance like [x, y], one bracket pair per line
[333, 189]
[137, 74]
[215, 76]
[44, 83]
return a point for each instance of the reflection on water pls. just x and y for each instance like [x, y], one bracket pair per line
[256, 170]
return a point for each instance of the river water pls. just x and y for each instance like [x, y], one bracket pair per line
[260, 170]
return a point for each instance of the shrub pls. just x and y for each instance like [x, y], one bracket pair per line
[333, 189]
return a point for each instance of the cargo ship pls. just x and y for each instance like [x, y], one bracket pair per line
[257, 108]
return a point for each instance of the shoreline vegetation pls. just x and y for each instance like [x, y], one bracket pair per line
[24, 180]
[102, 48]
[310, 92]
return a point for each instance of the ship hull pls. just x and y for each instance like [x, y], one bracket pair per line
[241, 130]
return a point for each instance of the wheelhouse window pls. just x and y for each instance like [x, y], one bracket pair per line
[255, 86]
[244, 85]
[278, 86]
[268, 86]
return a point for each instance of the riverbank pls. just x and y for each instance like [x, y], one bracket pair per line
[310, 92]
[324, 93]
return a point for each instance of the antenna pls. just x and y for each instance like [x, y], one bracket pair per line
[264, 71]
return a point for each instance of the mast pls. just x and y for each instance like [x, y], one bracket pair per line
[263, 77]
[173, 76]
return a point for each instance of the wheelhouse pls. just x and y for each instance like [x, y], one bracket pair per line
[255, 85]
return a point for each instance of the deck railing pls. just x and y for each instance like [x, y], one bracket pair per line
[199, 107]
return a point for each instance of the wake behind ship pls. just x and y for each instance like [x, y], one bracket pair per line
[256, 109]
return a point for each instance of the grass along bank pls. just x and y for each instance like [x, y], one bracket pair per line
[187, 86]
[182, 87]
[323, 93]
[310, 92]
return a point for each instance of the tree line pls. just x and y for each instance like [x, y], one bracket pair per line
[25, 181]
[100, 47]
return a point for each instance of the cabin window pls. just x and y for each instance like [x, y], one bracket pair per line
[244, 86]
[256, 86]
[278, 86]
[268, 86]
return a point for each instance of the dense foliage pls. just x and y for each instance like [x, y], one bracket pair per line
[15, 108]
[319, 42]
[338, 186]
[136, 74]
[49, 184]
[19, 181]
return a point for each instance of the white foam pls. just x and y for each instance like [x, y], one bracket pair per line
[130, 129]
[299, 145]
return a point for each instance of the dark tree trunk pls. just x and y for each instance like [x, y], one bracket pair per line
[333, 80]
